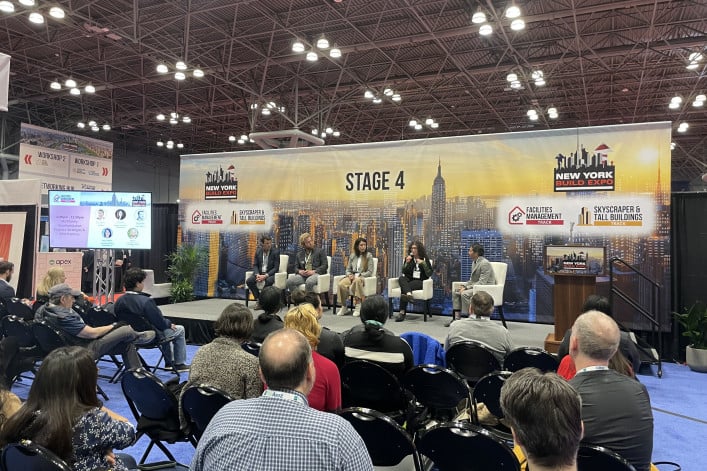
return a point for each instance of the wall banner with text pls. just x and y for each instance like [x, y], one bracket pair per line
[513, 193]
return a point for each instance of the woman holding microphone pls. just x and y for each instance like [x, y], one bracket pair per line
[416, 269]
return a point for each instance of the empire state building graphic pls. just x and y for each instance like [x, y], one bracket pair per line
[438, 210]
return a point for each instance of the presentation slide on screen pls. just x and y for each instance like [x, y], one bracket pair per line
[100, 220]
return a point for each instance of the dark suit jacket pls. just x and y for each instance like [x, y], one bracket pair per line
[7, 292]
[273, 262]
[319, 261]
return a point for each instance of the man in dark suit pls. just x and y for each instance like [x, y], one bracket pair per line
[7, 292]
[265, 264]
[311, 262]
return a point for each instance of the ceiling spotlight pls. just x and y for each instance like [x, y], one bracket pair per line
[540, 82]
[368, 94]
[162, 69]
[160, 117]
[70, 83]
[179, 76]
[388, 92]
[336, 134]
[180, 65]
[515, 85]
[478, 17]
[80, 125]
[512, 12]
[75, 91]
[173, 121]
[186, 120]
[254, 106]
[244, 137]
[95, 128]
[377, 100]
[335, 52]
[517, 24]
[418, 126]
[429, 121]
[232, 138]
[322, 43]
[241, 141]
[315, 131]
[92, 123]
[170, 143]
[552, 110]
[56, 12]
[512, 77]
[174, 115]
[27, 3]
[6, 7]
[701, 98]
[396, 97]
[434, 125]
[323, 135]
[55, 85]
[683, 127]
[485, 29]
[298, 46]
[312, 56]
[198, 73]
[413, 123]
[106, 127]
[329, 130]
[180, 145]
[266, 112]
[676, 99]
[674, 105]
[89, 88]
[533, 117]
[531, 112]
[160, 144]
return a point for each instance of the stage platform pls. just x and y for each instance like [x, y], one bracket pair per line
[198, 317]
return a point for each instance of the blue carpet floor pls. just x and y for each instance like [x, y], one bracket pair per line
[679, 403]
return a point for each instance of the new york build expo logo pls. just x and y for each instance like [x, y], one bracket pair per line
[221, 184]
[580, 171]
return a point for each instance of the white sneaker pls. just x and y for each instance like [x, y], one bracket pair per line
[357, 310]
[342, 311]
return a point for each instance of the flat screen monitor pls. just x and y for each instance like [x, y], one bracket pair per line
[575, 260]
[100, 219]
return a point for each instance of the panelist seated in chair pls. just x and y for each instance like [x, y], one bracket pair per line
[266, 263]
[416, 269]
[360, 266]
[481, 274]
[480, 328]
[310, 263]
[111, 339]
[64, 415]
[371, 341]
[140, 311]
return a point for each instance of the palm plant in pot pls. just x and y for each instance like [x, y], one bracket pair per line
[694, 323]
[184, 263]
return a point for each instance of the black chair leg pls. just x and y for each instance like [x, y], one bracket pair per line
[333, 306]
[503, 319]
[390, 308]
[326, 296]
[427, 310]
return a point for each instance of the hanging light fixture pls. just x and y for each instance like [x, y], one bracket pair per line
[322, 42]
[298, 46]
[478, 18]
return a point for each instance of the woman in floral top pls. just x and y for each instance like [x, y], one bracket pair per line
[63, 414]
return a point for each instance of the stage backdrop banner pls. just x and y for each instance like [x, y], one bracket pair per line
[64, 161]
[513, 193]
[69, 261]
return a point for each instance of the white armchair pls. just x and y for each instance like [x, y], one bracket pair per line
[425, 294]
[369, 287]
[280, 277]
[159, 290]
[323, 283]
[496, 291]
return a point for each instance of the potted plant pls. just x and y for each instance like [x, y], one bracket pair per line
[184, 263]
[694, 323]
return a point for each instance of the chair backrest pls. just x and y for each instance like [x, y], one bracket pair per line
[201, 403]
[471, 360]
[461, 446]
[148, 397]
[328, 264]
[530, 357]
[252, 347]
[284, 260]
[488, 391]
[48, 338]
[436, 387]
[374, 271]
[98, 316]
[14, 326]
[17, 308]
[386, 441]
[500, 269]
[425, 349]
[367, 384]
[30, 456]
[592, 457]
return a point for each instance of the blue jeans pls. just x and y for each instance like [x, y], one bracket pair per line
[175, 352]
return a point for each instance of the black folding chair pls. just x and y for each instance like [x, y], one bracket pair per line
[386, 441]
[591, 458]
[461, 446]
[530, 357]
[156, 410]
[200, 404]
[252, 347]
[471, 360]
[28, 351]
[438, 389]
[488, 392]
[98, 316]
[16, 307]
[30, 456]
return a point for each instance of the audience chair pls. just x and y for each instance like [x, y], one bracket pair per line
[461, 446]
[98, 317]
[16, 307]
[200, 404]
[369, 287]
[425, 294]
[367, 384]
[386, 441]
[440, 390]
[471, 360]
[155, 409]
[323, 284]
[591, 458]
[30, 456]
[28, 352]
[530, 357]
[425, 349]
[496, 291]
[488, 392]
[252, 347]
[3, 308]
[280, 277]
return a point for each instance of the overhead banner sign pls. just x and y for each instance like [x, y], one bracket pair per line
[513, 193]
[63, 161]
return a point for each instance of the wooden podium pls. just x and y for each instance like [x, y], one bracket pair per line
[568, 296]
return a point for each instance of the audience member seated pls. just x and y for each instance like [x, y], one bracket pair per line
[618, 362]
[326, 392]
[140, 311]
[279, 430]
[54, 276]
[109, 339]
[416, 269]
[9, 404]
[544, 413]
[330, 344]
[63, 414]
[616, 409]
[627, 346]
[7, 292]
[265, 264]
[223, 363]
[309, 264]
[360, 266]
[371, 341]
[480, 328]
[481, 274]
[268, 321]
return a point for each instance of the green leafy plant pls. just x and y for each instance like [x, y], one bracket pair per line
[184, 263]
[694, 321]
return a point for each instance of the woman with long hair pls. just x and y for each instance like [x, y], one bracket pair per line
[54, 276]
[326, 392]
[360, 266]
[416, 269]
[63, 414]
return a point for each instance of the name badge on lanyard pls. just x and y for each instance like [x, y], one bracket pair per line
[416, 272]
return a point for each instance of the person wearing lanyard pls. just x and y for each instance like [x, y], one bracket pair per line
[360, 266]
[311, 262]
[265, 264]
[416, 269]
